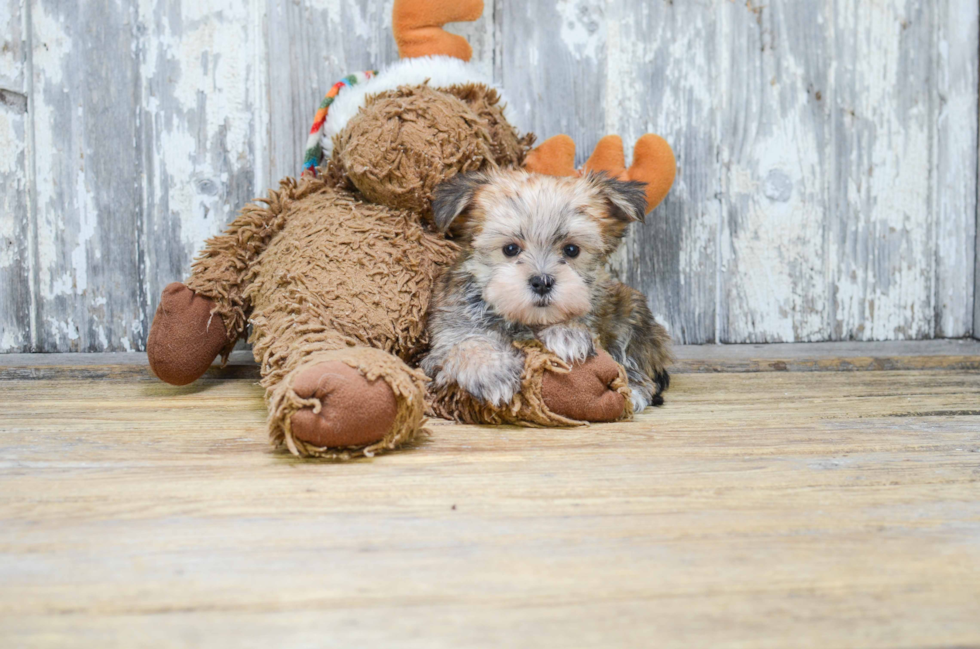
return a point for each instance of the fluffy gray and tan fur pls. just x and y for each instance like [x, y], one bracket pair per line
[533, 267]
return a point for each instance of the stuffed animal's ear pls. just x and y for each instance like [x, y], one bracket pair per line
[627, 199]
[454, 196]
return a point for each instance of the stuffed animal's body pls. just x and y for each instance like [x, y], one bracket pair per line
[335, 273]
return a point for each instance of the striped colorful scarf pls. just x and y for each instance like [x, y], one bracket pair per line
[314, 153]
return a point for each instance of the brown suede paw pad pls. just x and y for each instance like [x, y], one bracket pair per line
[353, 411]
[185, 337]
[587, 392]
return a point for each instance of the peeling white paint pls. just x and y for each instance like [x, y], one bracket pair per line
[11, 46]
[88, 222]
[11, 144]
[583, 27]
[52, 49]
[9, 340]
[200, 74]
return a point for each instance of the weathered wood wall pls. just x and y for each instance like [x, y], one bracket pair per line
[828, 149]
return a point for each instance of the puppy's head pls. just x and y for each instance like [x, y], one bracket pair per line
[535, 244]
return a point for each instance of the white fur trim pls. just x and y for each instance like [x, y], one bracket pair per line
[440, 71]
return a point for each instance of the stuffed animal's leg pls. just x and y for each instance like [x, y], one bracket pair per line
[328, 398]
[551, 393]
[590, 391]
[417, 26]
[197, 321]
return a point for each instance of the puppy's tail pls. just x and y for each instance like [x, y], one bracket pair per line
[417, 26]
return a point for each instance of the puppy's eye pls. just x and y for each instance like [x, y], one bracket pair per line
[571, 250]
[512, 250]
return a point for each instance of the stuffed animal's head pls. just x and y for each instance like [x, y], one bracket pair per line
[402, 140]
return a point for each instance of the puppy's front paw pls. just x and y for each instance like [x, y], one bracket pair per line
[488, 374]
[494, 385]
[640, 399]
[571, 344]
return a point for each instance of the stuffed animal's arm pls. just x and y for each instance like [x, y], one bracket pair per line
[222, 269]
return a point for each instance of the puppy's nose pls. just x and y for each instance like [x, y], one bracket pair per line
[541, 284]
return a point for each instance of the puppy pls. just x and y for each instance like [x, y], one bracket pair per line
[533, 267]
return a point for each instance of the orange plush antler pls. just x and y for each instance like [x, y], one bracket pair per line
[554, 157]
[417, 25]
[653, 162]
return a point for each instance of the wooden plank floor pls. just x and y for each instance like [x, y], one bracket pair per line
[770, 509]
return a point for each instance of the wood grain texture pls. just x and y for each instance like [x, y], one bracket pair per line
[15, 214]
[846, 124]
[828, 171]
[136, 513]
[88, 174]
[552, 65]
[775, 151]
[13, 46]
[955, 203]
[673, 256]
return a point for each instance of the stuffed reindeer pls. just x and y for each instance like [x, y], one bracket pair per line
[334, 273]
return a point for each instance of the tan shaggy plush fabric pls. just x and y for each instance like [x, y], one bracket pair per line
[528, 407]
[340, 269]
[343, 280]
[405, 142]
[219, 271]
[509, 149]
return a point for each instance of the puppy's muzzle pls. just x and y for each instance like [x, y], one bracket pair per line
[542, 284]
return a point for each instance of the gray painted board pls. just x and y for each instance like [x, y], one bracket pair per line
[954, 209]
[88, 175]
[203, 129]
[827, 153]
[15, 234]
[673, 257]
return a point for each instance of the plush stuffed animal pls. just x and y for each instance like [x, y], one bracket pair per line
[334, 272]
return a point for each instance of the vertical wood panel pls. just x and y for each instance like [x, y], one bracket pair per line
[552, 67]
[957, 43]
[774, 169]
[845, 178]
[649, 88]
[86, 94]
[15, 299]
[202, 128]
[882, 239]
[883, 248]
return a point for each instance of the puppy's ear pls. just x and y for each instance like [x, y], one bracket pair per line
[626, 199]
[454, 196]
